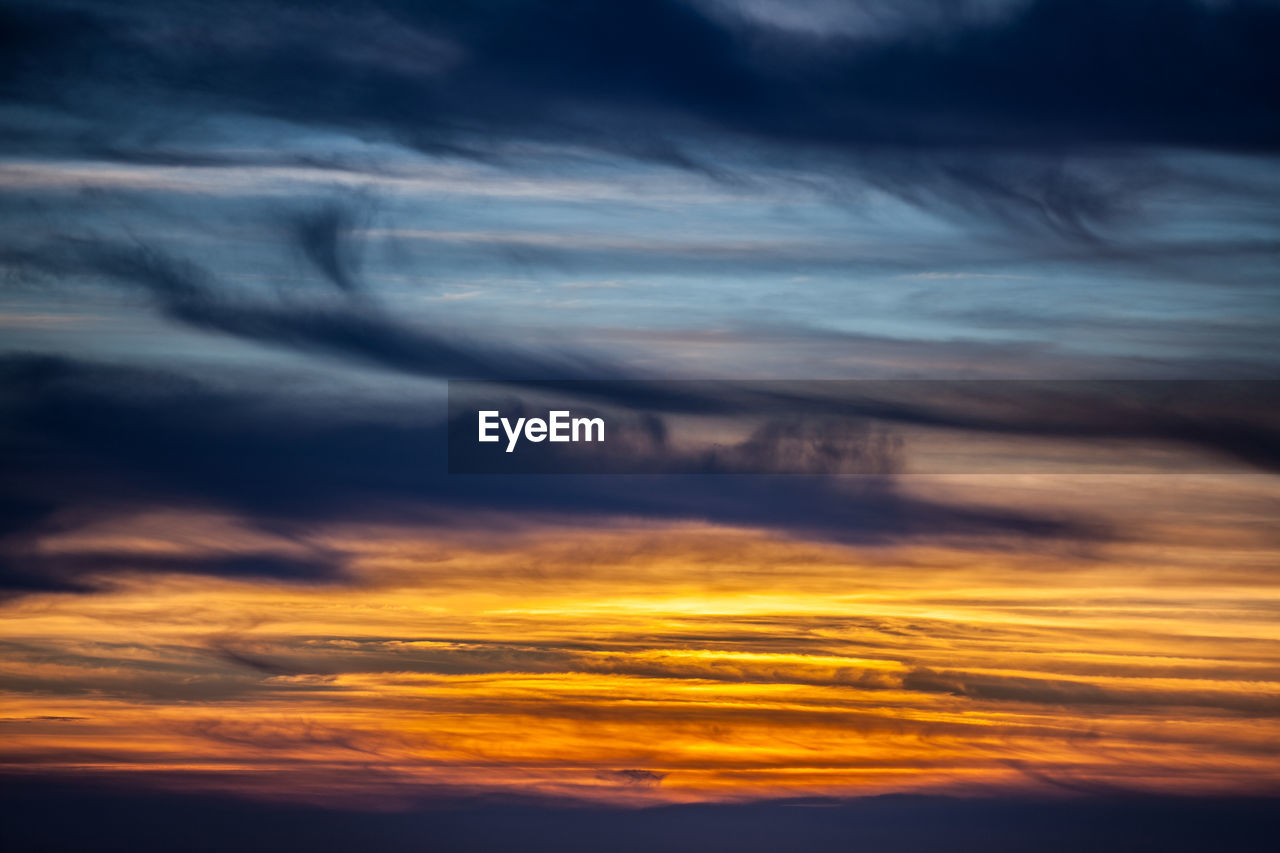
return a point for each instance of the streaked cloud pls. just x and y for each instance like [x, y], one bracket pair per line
[243, 245]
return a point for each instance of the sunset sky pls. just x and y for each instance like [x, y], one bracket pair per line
[244, 246]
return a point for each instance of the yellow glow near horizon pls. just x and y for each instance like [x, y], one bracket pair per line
[648, 663]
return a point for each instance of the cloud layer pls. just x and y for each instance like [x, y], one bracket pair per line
[242, 245]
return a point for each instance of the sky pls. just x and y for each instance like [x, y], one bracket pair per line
[245, 246]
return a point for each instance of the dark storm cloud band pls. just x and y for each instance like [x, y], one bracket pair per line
[83, 443]
[86, 443]
[855, 427]
[1045, 72]
[983, 113]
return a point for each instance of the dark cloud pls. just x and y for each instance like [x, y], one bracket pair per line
[981, 111]
[1237, 420]
[837, 426]
[114, 814]
[181, 675]
[85, 442]
[317, 657]
[23, 571]
[253, 662]
[355, 329]
[265, 736]
[1049, 72]
[1058, 692]
[323, 236]
[633, 777]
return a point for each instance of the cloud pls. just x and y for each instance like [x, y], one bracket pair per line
[1044, 72]
[997, 113]
[188, 810]
[356, 329]
[260, 736]
[633, 777]
[21, 570]
[322, 236]
[114, 440]
[839, 426]
[1074, 134]
[1058, 692]
[1238, 423]
[1094, 693]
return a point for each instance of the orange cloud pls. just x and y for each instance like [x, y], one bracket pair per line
[655, 663]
